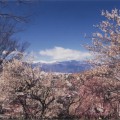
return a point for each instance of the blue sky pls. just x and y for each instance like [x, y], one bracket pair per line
[56, 29]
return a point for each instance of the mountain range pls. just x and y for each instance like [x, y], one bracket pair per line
[64, 66]
[71, 66]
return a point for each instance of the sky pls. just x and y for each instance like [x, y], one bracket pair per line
[57, 27]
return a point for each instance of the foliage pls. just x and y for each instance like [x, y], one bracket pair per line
[105, 81]
[93, 94]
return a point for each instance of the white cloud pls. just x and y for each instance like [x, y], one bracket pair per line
[62, 54]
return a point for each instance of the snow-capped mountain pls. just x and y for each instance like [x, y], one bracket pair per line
[64, 66]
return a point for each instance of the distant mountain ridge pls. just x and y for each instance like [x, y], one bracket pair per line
[71, 66]
[64, 66]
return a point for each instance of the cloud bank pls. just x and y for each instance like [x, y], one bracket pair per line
[64, 54]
